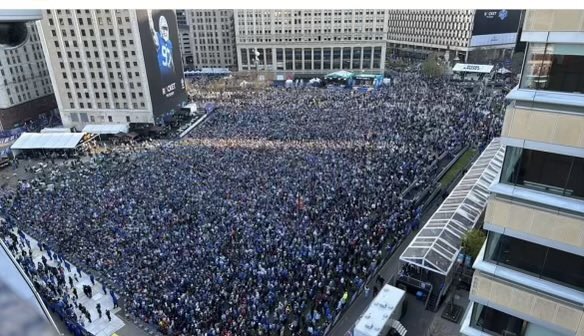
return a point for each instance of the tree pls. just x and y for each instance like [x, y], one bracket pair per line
[432, 67]
[473, 242]
[517, 62]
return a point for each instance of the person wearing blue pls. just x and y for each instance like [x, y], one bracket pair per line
[164, 47]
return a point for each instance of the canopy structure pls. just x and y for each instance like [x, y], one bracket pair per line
[47, 141]
[480, 68]
[56, 130]
[367, 76]
[340, 75]
[208, 71]
[438, 243]
[106, 128]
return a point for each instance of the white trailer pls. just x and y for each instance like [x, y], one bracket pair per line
[382, 314]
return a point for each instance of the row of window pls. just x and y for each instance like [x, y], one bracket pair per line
[112, 43]
[88, 54]
[308, 22]
[497, 323]
[309, 39]
[27, 96]
[244, 13]
[554, 67]
[537, 260]
[106, 105]
[40, 70]
[23, 87]
[311, 31]
[110, 65]
[104, 95]
[88, 21]
[313, 58]
[213, 48]
[548, 172]
[213, 13]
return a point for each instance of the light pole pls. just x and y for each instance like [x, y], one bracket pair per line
[256, 61]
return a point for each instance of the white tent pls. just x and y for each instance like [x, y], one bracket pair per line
[46, 141]
[480, 68]
[106, 128]
[56, 130]
[503, 71]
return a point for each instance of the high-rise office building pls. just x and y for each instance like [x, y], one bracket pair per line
[186, 51]
[114, 66]
[529, 276]
[462, 31]
[310, 41]
[208, 38]
[25, 84]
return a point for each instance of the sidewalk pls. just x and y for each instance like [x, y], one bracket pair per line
[98, 326]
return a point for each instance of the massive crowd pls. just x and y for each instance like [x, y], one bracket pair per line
[269, 216]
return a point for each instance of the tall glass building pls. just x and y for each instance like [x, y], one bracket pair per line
[529, 276]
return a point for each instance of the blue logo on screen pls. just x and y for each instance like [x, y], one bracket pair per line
[503, 14]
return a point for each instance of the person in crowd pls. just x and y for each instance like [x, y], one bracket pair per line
[268, 217]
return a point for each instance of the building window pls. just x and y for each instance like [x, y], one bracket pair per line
[537, 260]
[542, 171]
[554, 67]
[110, 119]
[495, 322]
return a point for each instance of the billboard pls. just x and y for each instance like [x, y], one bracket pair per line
[494, 27]
[164, 69]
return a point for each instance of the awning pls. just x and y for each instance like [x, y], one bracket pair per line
[340, 75]
[56, 130]
[208, 71]
[480, 68]
[106, 128]
[47, 141]
[438, 243]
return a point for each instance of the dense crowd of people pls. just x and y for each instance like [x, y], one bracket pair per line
[269, 216]
[48, 278]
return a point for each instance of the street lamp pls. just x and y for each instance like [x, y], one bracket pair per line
[256, 61]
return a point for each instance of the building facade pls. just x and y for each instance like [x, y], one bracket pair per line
[186, 51]
[208, 39]
[461, 32]
[429, 30]
[529, 275]
[106, 68]
[310, 42]
[25, 84]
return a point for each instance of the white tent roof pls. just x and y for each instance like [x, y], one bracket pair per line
[56, 130]
[481, 68]
[503, 71]
[438, 243]
[47, 141]
[106, 128]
